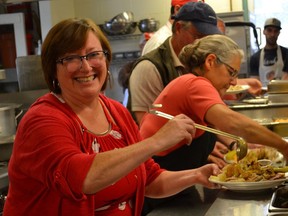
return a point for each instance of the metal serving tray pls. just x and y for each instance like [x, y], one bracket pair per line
[279, 201]
[278, 98]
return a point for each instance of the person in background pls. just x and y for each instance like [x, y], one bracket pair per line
[214, 62]
[123, 79]
[125, 71]
[166, 30]
[153, 71]
[270, 62]
[221, 25]
[77, 152]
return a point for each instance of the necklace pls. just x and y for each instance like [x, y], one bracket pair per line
[102, 133]
[97, 134]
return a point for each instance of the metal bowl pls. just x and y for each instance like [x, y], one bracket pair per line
[148, 25]
[122, 23]
[119, 28]
[125, 16]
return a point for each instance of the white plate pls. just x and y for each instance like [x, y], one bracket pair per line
[243, 89]
[249, 186]
[264, 88]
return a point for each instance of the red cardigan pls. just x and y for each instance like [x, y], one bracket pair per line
[49, 163]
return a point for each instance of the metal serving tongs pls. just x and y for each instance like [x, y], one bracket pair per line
[241, 145]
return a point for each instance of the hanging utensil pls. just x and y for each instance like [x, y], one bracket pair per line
[241, 149]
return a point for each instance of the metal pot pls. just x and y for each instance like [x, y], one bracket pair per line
[119, 27]
[148, 25]
[8, 120]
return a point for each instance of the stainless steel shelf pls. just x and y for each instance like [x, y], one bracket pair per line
[124, 37]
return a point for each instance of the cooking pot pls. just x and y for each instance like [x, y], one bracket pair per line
[8, 119]
[148, 25]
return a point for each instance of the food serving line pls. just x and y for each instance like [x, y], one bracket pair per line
[199, 200]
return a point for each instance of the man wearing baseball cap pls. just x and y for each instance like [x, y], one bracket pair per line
[271, 62]
[166, 30]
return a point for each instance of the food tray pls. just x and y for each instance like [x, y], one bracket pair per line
[278, 86]
[278, 98]
[279, 201]
[256, 101]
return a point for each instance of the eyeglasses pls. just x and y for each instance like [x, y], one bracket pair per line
[74, 62]
[232, 71]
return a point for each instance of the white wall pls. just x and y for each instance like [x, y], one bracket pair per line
[103, 10]
[51, 12]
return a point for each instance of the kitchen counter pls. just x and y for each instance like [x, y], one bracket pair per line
[222, 202]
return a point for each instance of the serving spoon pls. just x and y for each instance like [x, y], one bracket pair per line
[241, 145]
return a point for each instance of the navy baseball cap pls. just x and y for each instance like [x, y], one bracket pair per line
[201, 15]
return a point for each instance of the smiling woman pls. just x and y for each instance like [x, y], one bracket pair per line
[90, 156]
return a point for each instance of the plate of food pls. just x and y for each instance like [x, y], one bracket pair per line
[249, 175]
[237, 89]
[248, 186]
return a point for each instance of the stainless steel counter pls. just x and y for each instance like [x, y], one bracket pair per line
[230, 203]
[196, 202]
[207, 202]
[257, 111]
[265, 114]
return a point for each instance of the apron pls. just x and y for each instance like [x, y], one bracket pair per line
[275, 71]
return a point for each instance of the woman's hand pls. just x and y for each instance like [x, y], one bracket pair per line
[217, 155]
[220, 150]
[255, 85]
[174, 131]
[205, 172]
[216, 160]
[171, 182]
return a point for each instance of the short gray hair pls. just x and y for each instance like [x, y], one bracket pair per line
[184, 24]
[194, 55]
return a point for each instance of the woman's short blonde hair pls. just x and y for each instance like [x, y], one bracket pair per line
[194, 55]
